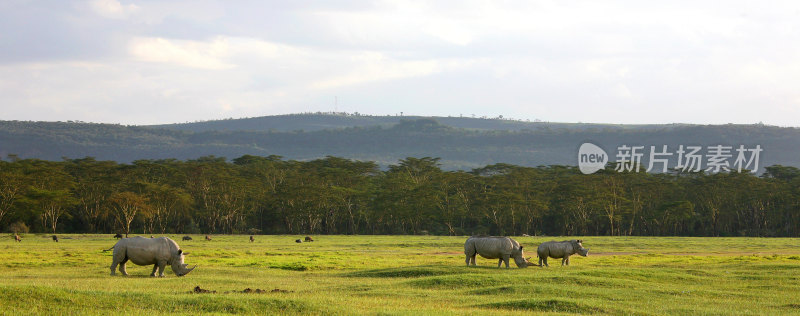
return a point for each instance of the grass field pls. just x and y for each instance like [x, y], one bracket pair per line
[405, 275]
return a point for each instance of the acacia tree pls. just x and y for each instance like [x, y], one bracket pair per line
[453, 203]
[612, 199]
[94, 183]
[408, 192]
[11, 183]
[264, 175]
[52, 205]
[126, 205]
[166, 203]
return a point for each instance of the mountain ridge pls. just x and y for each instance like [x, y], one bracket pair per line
[462, 143]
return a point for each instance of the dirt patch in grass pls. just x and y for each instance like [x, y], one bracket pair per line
[199, 290]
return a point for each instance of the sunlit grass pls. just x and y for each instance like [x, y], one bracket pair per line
[405, 275]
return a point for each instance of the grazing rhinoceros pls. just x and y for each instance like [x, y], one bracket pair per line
[55, 238]
[17, 238]
[560, 249]
[502, 248]
[252, 239]
[159, 252]
[187, 238]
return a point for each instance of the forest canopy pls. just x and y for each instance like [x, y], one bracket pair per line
[272, 195]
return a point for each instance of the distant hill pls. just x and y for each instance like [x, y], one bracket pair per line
[317, 122]
[462, 143]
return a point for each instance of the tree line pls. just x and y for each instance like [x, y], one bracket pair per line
[271, 195]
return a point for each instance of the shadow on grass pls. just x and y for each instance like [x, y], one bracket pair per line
[552, 305]
[407, 272]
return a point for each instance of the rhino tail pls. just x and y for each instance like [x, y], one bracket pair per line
[112, 247]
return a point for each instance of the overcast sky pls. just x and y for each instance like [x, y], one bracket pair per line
[149, 62]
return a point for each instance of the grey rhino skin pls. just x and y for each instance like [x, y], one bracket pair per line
[159, 252]
[560, 249]
[502, 248]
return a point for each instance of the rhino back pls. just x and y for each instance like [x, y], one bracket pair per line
[143, 251]
[555, 249]
[492, 247]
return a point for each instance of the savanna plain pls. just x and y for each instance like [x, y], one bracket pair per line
[405, 275]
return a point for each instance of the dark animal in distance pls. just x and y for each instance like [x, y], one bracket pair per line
[308, 238]
[187, 238]
[208, 238]
[252, 239]
[560, 249]
[118, 236]
[17, 238]
[55, 238]
[298, 241]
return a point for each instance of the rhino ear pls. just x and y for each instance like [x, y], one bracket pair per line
[180, 251]
[185, 253]
[580, 241]
[520, 247]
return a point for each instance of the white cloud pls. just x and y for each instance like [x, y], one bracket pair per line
[372, 67]
[553, 60]
[113, 9]
[193, 54]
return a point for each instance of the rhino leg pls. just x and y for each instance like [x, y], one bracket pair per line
[113, 266]
[543, 260]
[118, 258]
[161, 265]
[470, 257]
[505, 259]
[565, 261]
[122, 267]
[152, 274]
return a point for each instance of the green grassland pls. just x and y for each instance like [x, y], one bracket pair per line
[405, 275]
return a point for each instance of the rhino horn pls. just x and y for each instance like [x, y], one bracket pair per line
[185, 271]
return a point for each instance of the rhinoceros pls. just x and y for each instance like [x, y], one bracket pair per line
[560, 249]
[501, 248]
[159, 252]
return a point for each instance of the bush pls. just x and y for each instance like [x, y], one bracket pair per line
[18, 228]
